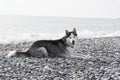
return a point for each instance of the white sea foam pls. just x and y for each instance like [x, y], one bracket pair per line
[91, 34]
[4, 39]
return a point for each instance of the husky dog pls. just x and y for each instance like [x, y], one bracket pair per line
[63, 47]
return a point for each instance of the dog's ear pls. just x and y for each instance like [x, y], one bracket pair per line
[66, 32]
[74, 30]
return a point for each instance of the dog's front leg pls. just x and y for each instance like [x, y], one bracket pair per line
[81, 56]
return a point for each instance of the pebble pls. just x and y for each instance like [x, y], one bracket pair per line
[104, 63]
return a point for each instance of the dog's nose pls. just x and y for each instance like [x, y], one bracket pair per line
[73, 42]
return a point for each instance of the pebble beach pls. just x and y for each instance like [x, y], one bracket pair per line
[103, 64]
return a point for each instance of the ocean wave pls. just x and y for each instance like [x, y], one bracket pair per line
[4, 39]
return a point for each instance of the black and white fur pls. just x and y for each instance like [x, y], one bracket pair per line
[63, 47]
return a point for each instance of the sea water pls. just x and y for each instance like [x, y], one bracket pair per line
[29, 28]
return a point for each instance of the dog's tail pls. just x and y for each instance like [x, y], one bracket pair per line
[15, 53]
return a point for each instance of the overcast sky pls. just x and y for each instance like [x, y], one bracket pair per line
[65, 8]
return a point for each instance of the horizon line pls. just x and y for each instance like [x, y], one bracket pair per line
[59, 16]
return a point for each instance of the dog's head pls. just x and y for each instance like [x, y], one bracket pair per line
[71, 37]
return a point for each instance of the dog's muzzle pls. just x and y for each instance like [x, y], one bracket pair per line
[73, 42]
